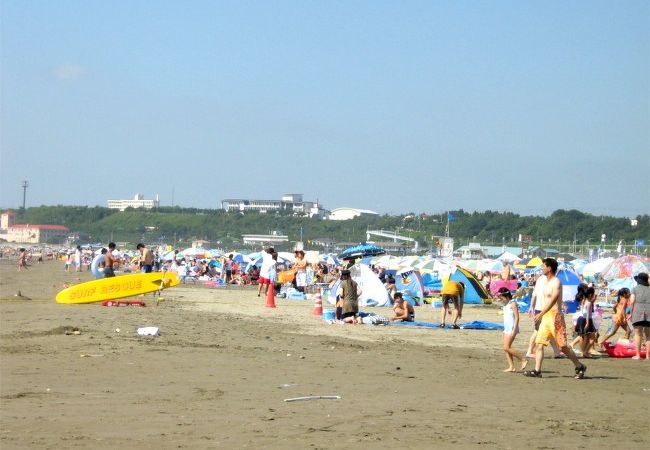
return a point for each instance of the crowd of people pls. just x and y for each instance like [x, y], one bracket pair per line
[547, 311]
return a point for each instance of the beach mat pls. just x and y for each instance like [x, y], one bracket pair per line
[475, 325]
[481, 325]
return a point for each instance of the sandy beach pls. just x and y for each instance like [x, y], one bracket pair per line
[219, 374]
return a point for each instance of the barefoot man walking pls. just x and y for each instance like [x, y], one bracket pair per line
[552, 322]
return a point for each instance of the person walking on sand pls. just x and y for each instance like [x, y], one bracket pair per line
[585, 324]
[454, 291]
[552, 323]
[226, 269]
[268, 264]
[619, 319]
[510, 329]
[536, 305]
[22, 259]
[77, 258]
[640, 314]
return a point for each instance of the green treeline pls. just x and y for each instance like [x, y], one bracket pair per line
[178, 225]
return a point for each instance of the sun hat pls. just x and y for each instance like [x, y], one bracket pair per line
[642, 278]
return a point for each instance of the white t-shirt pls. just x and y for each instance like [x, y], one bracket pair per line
[268, 264]
[538, 292]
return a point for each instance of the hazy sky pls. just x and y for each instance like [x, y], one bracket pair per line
[395, 106]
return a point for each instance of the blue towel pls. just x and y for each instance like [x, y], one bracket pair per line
[481, 325]
[417, 324]
[475, 325]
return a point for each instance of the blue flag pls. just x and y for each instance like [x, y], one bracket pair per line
[450, 217]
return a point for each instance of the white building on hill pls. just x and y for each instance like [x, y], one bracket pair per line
[350, 213]
[291, 203]
[138, 201]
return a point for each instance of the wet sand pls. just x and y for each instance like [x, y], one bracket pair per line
[219, 373]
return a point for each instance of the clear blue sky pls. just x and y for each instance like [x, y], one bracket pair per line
[394, 106]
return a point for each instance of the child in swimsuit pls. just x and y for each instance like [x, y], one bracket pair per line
[510, 329]
[619, 319]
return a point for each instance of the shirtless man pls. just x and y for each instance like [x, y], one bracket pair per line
[300, 266]
[402, 310]
[110, 261]
[552, 323]
[536, 305]
[146, 258]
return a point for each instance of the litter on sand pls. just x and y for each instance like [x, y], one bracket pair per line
[149, 331]
[313, 397]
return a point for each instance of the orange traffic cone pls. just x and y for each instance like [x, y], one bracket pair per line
[270, 297]
[318, 304]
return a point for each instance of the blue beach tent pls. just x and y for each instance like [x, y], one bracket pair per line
[475, 292]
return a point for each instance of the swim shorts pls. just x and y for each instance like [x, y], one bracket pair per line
[552, 326]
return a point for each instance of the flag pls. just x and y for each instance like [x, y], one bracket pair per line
[450, 217]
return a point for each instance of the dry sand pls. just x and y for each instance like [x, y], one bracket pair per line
[218, 374]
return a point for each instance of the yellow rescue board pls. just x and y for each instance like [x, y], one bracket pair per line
[114, 288]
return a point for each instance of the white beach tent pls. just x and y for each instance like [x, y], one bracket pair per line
[373, 292]
[509, 257]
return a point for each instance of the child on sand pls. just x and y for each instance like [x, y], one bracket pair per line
[619, 319]
[585, 326]
[510, 329]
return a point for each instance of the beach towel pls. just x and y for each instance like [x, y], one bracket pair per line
[417, 324]
[481, 325]
[475, 325]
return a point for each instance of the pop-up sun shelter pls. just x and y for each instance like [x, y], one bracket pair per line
[409, 283]
[373, 292]
[475, 292]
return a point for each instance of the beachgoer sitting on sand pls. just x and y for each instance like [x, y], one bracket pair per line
[348, 294]
[402, 310]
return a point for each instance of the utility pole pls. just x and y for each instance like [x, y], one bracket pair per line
[25, 185]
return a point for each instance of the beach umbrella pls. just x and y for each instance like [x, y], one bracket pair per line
[331, 260]
[468, 264]
[361, 250]
[192, 252]
[434, 265]
[597, 266]
[534, 262]
[409, 261]
[387, 261]
[626, 267]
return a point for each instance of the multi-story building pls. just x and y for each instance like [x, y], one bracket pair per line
[29, 233]
[138, 201]
[290, 203]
